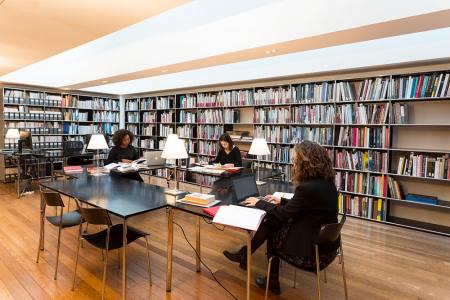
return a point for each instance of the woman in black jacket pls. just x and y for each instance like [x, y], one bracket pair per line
[123, 150]
[228, 152]
[291, 226]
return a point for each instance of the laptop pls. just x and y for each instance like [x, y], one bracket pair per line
[244, 186]
[154, 158]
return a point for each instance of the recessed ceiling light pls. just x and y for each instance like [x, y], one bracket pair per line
[164, 71]
[65, 89]
[267, 51]
[104, 81]
[273, 50]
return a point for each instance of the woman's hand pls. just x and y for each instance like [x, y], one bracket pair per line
[272, 199]
[251, 201]
[126, 161]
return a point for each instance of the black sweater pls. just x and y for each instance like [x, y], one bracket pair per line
[234, 157]
[117, 154]
[315, 203]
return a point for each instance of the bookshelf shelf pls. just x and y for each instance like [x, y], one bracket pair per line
[419, 178]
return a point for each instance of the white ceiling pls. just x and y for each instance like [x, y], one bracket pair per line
[33, 30]
[205, 29]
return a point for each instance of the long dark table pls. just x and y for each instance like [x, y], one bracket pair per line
[127, 198]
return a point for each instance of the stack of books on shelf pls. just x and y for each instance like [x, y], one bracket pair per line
[274, 115]
[210, 132]
[239, 98]
[163, 103]
[422, 165]
[188, 101]
[373, 161]
[320, 135]
[147, 103]
[210, 116]
[132, 104]
[362, 183]
[362, 113]
[400, 113]
[271, 96]
[421, 86]
[394, 188]
[272, 134]
[364, 207]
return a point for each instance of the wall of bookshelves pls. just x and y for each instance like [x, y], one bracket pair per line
[388, 136]
[54, 116]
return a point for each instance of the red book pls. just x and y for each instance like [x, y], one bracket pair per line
[73, 169]
[211, 210]
[419, 86]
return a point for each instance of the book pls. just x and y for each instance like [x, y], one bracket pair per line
[239, 217]
[422, 199]
[198, 198]
[212, 211]
[73, 169]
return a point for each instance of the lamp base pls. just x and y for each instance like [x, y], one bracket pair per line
[173, 192]
[260, 182]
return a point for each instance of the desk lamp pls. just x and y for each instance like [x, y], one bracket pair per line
[97, 142]
[259, 147]
[174, 149]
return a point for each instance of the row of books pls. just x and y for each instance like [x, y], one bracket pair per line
[164, 102]
[186, 117]
[210, 116]
[314, 92]
[32, 101]
[272, 134]
[374, 89]
[207, 148]
[212, 132]
[400, 113]
[148, 143]
[71, 101]
[187, 101]
[320, 135]
[133, 117]
[276, 115]
[147, 103]
[421, 86]
[363, 137]
[149, 117]
[374, 161]
[272, 96]
[362, 113]
[280, 153]
[239, 98]
[191, 146]
[149, 130]
[73, 128]
[132, 104]
[168, 117]
[365, 207]
[186, 131]
[36, 127]
[210, 100]
[32, 115]
[75, 115]
[132, 128]
[165, 130]
[46, 138]
[313, 114]
[362, 183]
[231, 116]
[420, 165]
[105, 116]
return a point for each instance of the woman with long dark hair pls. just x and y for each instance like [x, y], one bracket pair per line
[291, 224]
[228, 152]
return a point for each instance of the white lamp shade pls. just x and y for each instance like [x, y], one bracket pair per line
[174, 148]
[97, 142]
[259, 147]
[13, 133]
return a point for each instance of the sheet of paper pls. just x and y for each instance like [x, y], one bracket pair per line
[240, 217]
[284, 195]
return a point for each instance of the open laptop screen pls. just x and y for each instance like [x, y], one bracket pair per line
[244, 186]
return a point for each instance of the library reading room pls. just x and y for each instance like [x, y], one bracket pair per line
[211, 149]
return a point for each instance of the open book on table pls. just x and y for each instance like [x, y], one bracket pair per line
[239, 216]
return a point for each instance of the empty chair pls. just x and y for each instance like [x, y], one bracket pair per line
[329, 233]
[107, 239]
[60, 220]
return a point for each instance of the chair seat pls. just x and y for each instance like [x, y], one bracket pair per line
[98, 239]
[307, 263]
[69, 219]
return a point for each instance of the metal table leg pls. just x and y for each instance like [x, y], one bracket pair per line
[169, 250]
[124, 260]
[197, 234]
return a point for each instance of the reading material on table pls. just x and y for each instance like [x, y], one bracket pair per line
[280, 195]
[73, 169]
[240, 217]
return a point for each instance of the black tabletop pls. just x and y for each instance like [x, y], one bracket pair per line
[120, 196]
[225, 194]
[264, 173]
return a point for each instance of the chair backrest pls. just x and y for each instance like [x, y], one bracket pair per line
[331, 232]
[96, 216]
[52, 199]
[246, 163]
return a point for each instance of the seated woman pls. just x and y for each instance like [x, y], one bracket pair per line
[228, 153]
[290, 226]
[123, 151]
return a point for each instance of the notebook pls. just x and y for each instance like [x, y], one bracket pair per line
[239, 216]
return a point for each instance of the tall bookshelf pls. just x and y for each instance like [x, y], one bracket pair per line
[366, 124]
[54, 116]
